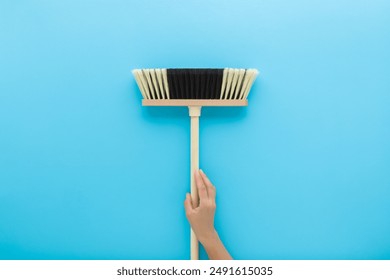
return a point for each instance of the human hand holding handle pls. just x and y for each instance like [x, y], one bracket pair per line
[201, 217]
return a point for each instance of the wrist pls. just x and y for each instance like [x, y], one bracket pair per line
[210, 239]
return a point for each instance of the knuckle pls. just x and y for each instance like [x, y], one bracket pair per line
[211, 205]
[188, 214]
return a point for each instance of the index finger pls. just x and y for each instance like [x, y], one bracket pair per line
[210, 187]
[205, 178]
[202, 191]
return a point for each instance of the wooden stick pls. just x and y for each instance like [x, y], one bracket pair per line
[194, 112]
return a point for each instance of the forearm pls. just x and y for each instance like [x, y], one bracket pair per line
[215, 248]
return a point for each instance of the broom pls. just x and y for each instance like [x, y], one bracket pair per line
[195, 88]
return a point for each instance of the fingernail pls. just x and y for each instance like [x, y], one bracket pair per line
[201, 171]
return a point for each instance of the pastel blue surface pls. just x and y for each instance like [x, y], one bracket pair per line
[87, 173]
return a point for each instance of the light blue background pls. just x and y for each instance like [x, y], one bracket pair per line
[87, 173]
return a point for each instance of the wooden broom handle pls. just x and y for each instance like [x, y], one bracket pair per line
[194, 112]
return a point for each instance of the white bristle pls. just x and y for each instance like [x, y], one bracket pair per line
[144, 83]
[229, 77]
[234, 83]
[139, 83]
[159, 79]
[152, 74]
[253, 74]
[153, 83]
[223, 84]
[244, 84]
[150, 84]
[233, 76]
[240, 77]
[165, 82]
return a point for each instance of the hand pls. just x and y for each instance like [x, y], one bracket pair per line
[201, 213]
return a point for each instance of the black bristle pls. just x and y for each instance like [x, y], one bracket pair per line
[179, 91]
[214, 86]
[183, 86]
[196, 78]
[171, 84]
[195, 83]
[202, 84]
[210, 84]
[218, 86]
[192, 81]
[187, 83]
[207, 83]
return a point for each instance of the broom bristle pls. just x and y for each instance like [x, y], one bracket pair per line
[224, 84]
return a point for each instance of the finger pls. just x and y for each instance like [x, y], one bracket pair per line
[205, 178]
[202, 191]
[210, 187]
[188, 204]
